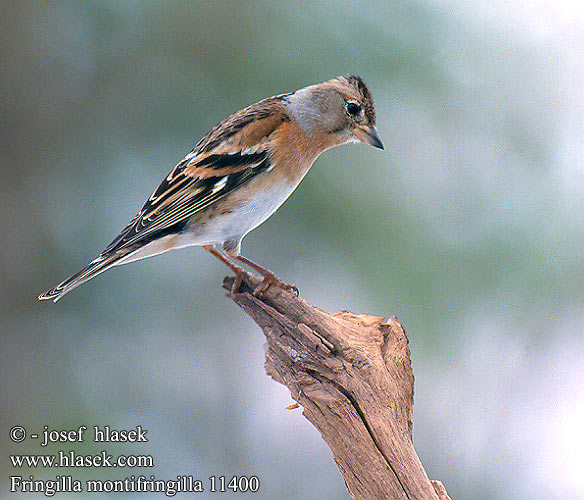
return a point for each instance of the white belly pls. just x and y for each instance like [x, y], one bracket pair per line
[236, 224]
[220, 228]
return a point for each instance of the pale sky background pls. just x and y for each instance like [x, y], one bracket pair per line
[468, 228]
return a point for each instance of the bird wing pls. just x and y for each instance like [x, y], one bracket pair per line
[231, 154]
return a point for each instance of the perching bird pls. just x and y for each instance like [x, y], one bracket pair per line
[238, 175]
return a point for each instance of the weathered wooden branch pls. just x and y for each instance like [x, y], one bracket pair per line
[353, 377]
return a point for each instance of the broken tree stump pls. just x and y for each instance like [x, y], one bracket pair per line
[353, 377]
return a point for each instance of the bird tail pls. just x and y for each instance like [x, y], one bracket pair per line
[95, 267]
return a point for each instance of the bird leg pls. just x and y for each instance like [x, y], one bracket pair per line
[269, 277]
[239, 272]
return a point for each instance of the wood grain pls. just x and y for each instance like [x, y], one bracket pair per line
[353, 377]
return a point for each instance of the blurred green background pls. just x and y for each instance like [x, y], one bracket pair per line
[468, 227]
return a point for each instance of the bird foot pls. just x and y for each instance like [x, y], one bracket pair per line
[236, 282]
[271, 279]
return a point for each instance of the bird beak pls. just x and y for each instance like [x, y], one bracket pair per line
[368, 135]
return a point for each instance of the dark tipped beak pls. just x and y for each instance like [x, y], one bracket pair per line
[369, 135]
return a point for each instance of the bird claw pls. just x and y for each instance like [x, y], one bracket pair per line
[271, 279]
[237, 281]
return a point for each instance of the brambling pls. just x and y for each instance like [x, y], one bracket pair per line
[238, 175]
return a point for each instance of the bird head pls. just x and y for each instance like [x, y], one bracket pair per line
[341, 108]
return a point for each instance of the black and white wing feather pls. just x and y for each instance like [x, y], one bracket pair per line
[234, 152]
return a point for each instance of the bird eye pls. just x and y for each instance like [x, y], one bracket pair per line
[353, 108]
